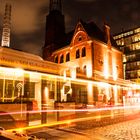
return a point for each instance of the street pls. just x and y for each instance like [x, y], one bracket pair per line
[128, 130]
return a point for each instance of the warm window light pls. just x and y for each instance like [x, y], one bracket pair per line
[89, 71]
[102, 84]
[34, 77]
[10, 71]
[64, 74]
[63, 95]
[135, 86]
[115, 75]
[19, 72]
[89, 86]
[46, 94]
[115, 88]
[129, 93]
[106, 74]
[90, 93]
[73, 73]
[106, 88]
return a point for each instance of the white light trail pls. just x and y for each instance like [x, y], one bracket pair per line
[75, 110]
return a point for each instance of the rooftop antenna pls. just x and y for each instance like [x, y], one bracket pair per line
[6, 27]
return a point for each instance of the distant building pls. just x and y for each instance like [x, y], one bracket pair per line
[129, 42]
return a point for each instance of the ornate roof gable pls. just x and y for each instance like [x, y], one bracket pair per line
[80, 35]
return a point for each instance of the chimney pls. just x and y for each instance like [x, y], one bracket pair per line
[107, 33]
[6, 26]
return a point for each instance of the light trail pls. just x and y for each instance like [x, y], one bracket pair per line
[73, 110]
[65, 122]
[17, 70]
[60, 123]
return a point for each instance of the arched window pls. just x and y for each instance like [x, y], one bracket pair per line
[61, 58]
[83, 51]
[56, 59]
[84, 69]
[80, 38]
[78, 70]
[67, 57]
[78, 53]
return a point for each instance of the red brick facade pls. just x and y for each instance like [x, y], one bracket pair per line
[90, 55]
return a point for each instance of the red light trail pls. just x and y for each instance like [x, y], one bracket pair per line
[73, 110]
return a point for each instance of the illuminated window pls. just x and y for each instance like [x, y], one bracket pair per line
[80, 38]
[122, 41]
[78, 53]
[84, 69]
[61, 59]
[137, 30]
[115, 37]
[137, 46]
[83, 52]
[56, 59]
[67, 57]
[81, 95]
[78, 69]
[134, 47]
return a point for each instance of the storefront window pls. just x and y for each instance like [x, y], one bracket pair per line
[81, 94]
[1, 89]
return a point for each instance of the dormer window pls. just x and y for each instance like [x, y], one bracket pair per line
[78, 53]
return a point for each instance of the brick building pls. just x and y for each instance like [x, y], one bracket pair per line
[87, 52]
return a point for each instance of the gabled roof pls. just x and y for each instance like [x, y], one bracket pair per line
[93, 32]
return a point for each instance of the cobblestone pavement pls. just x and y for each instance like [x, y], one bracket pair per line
[120, 128]
[129, 130]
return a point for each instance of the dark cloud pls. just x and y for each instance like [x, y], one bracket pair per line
[29, 17]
